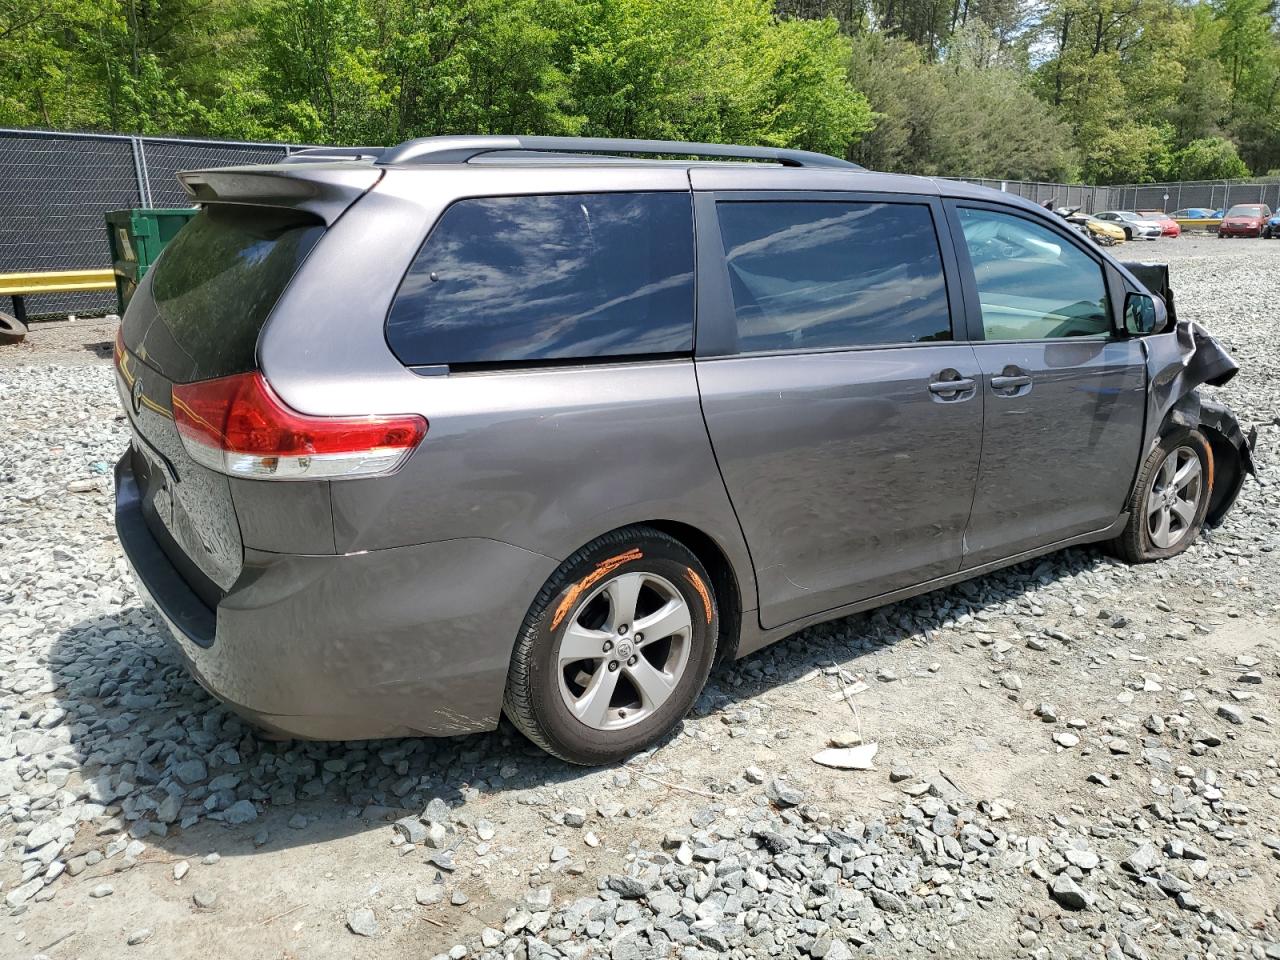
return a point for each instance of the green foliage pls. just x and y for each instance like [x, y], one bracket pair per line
[945, 119]
[1109, 90]
[1211, 158]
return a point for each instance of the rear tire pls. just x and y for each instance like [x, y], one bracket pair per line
[12, 330]
[1169, 500]
[627, 690]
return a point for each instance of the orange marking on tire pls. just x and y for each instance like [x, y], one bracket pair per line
[602, 570]
[702, 592]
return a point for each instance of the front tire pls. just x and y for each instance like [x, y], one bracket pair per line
[615, 649]
[1170, 498]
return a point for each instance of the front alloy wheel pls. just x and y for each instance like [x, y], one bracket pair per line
[1175, 498]
[1170, 498]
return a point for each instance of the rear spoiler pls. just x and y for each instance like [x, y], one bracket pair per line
[322, 189]
[1155, 277]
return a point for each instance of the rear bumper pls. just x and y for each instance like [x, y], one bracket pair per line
[405, 641]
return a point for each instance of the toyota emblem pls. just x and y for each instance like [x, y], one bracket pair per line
[136, 396]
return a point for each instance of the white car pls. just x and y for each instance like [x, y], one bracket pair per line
[1135, 227]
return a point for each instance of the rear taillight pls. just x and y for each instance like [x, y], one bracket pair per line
[238, 426]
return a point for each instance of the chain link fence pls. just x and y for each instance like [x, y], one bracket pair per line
[1090, 199]
[55, 188]
[1210, 195]
[1207, 194]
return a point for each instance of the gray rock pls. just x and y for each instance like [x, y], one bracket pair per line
[412, 829]
[784, 794]
[191, 771]
[241, 812]
[363, 923]
[1230, 714]
[628, 887]
[141, 935]
[1069, 894]
[430, 895]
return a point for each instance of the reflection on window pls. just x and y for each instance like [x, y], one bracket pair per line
[1033, 284]
[513, 279]
[809, 275]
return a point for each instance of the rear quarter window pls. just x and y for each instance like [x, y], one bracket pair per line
[519, 280]
[214, 287]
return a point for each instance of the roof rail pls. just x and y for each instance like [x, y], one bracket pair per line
[462, 149]
[321, 154]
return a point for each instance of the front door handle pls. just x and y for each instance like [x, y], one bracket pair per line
[1004, 383]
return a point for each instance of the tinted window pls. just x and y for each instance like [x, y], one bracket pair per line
[1033, 283]
[828, 275]
[1244, 210]
[513, 279]
[213, 288]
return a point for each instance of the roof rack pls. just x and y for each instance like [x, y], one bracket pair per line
[321, 154]
[462, 149]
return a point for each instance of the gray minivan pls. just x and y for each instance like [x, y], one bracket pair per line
[548, 426]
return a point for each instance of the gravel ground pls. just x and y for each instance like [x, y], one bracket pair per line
[1075, 758]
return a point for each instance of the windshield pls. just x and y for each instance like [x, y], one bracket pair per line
[1245, 211]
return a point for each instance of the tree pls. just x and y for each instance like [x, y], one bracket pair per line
[1210, 158]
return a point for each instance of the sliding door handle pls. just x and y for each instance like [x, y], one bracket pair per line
[1005, 383]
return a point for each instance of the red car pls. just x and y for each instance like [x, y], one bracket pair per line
[1244, 220]
[1168, 226]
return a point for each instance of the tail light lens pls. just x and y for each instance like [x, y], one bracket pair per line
[238, 426]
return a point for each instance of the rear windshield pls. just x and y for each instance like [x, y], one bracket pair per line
[519, 280]
[213, 288]
[1244, 211]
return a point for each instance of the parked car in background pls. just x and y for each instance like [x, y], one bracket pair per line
[1271, 230]
[1169, 226]
[424, 437]
[1101, 232]
[1134, 226]
[1245, 220]
[1196, 213]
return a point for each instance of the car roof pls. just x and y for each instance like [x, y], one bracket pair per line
[721, 167]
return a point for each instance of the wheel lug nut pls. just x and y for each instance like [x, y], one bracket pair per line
[613, 665]
[608, 645]
[622, 630]
[639, 638]
[631, 662]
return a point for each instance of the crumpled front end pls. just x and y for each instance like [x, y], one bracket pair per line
[1179, 363]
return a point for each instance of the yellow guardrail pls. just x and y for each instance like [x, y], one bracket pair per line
[55, 281]
[19, 285]
[1200, 223]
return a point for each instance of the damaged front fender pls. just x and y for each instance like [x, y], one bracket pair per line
[1178, 363]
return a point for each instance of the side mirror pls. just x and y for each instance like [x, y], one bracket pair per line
[1142, 315]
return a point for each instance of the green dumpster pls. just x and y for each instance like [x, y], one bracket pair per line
[136, 238]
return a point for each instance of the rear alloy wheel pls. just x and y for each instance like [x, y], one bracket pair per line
[615, 649]
[1170, 499]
